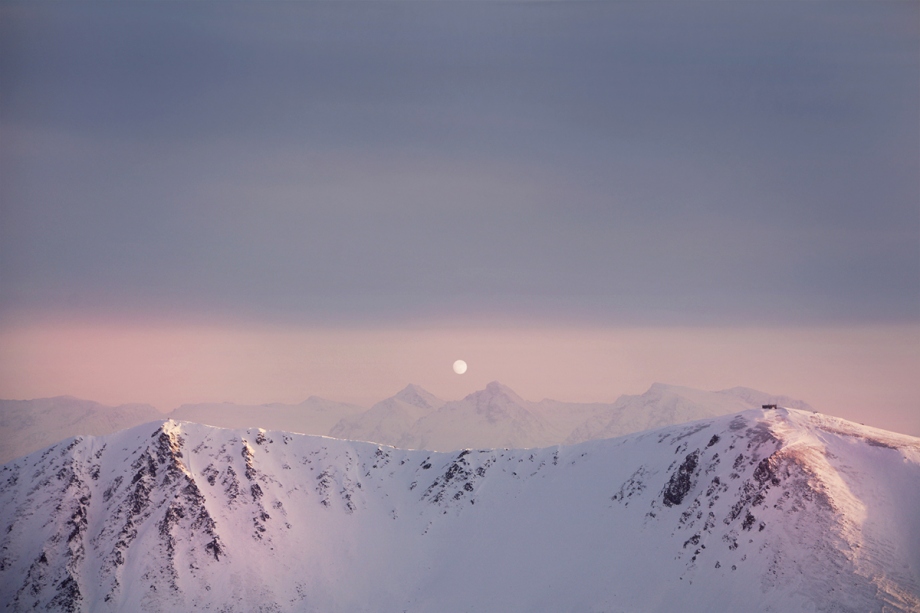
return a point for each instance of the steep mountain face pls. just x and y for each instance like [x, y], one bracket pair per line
[389, 421]
[29, 425]
[776, 510]
[312, 416]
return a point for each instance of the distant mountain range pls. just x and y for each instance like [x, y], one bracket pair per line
[762, 510]
[495, 417]
[29, 425]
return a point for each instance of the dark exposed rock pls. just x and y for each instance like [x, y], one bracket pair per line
[765, 472]
[681, 481]
[214, 548]
[748, 522]
[739, 462]
[231, 485]
[631, 487]
[68, 596]
[250, 467]
[210, 473]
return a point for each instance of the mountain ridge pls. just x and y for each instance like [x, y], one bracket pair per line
[763, 510]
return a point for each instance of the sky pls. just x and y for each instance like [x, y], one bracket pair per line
[260, 201]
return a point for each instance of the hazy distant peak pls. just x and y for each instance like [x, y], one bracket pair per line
[69, 398]
[419, 397]
[410, 389]
[494, 396]
[495, 388]
[660, 389]
[317, 403]
[499, 400]
[28, 425]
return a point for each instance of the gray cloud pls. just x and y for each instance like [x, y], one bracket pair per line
[621, 162]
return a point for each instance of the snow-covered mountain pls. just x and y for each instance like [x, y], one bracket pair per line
[497, 417]
[764, 510]
[29, 425]
[664, 405]
[314, 415]
[412, 419]
[389, 421]
[491, 418]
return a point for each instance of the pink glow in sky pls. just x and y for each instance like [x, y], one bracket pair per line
[866, 374]
[703, 194]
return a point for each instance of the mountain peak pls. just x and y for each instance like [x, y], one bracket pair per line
[658, 389]
[496, 388]
[418, 396]
[495, 394]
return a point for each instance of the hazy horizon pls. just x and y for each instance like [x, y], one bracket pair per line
[258, 202]
[865, 374]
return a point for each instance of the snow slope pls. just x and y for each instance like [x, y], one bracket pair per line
[29, 425]
[776, 510]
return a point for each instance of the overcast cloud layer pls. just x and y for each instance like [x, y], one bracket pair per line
[610, 162]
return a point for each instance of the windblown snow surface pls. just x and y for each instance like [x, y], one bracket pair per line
[776, 510]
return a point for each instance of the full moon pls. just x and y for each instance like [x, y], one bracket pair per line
[459, 367]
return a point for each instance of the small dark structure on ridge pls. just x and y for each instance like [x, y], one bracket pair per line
[769, 406]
